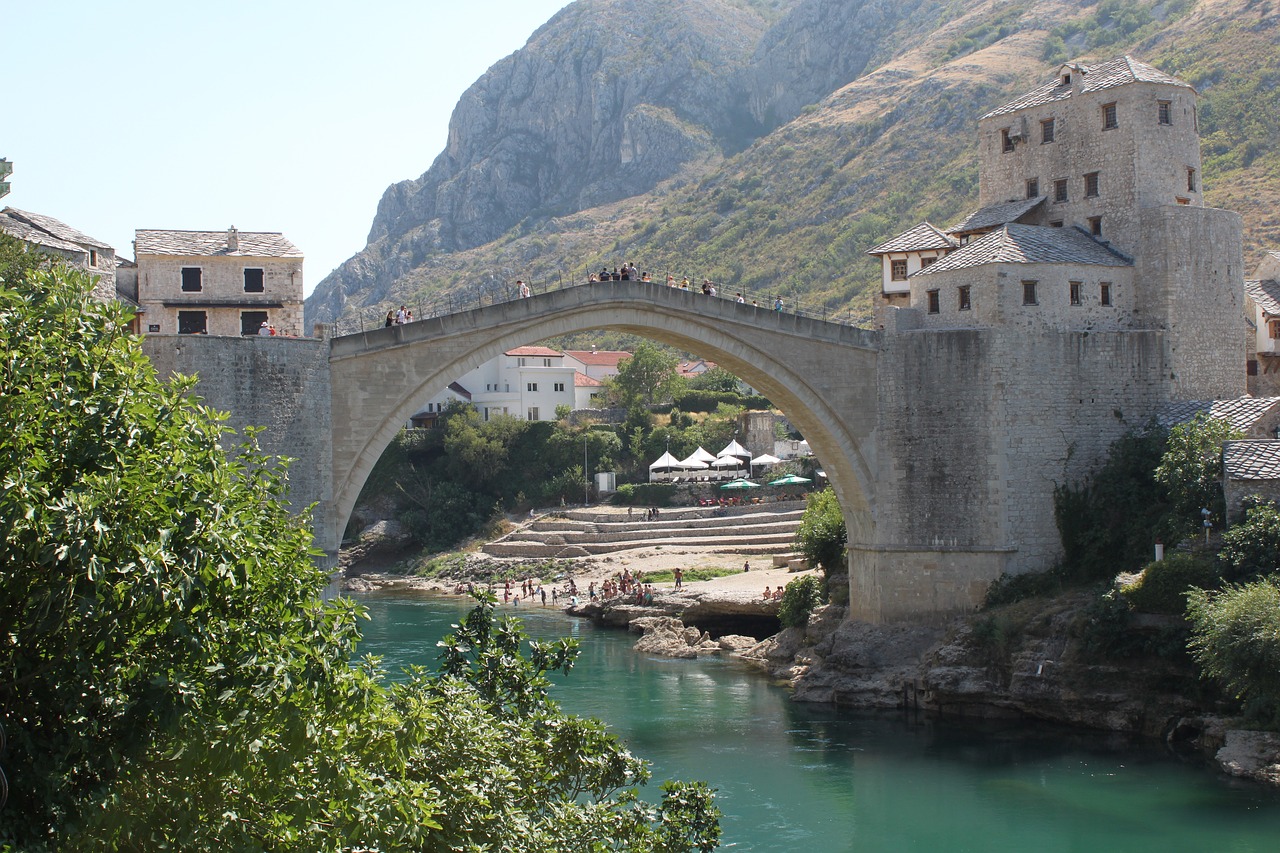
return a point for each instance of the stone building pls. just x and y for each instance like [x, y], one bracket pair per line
[1262, 315]
[1091, 218]
[56, 238]
[1250, 469]
[1090, 289]
[218, 282]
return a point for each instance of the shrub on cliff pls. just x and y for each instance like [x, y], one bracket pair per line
[1252, 547]
[1162, 586]
[799, 599]
[1236, 639]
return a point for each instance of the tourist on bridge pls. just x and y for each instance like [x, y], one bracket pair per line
[777, 304]
[264, 329]
[402, 316]
[391, 319]
[523, 289]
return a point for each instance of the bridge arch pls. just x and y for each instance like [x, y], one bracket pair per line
[822, 375]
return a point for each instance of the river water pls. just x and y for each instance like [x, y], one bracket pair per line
[797, 777]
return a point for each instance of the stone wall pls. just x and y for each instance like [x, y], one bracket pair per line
[281, 384]
[976, 427]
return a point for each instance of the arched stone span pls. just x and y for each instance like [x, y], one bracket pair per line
[823, 375]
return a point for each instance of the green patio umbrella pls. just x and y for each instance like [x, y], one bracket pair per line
[790, 480]
[740, 484]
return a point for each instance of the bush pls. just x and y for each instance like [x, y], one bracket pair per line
[1008, 589]
[1252, 548]
[1235, 637]
[1162, 586]
[644, 494]
[821, 536]
[799, 599]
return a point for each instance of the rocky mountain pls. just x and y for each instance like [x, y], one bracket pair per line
[767, 145]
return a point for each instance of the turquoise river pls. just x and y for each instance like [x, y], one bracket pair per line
[797, 777]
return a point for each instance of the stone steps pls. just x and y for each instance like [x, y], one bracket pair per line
[748, 530]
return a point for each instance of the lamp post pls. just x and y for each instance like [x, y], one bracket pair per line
[586, 479]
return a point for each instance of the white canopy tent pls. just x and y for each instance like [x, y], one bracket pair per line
[701, 455]
[693, 461]
[665, 462]
[765, 459]
[729, 462]
[736, 450]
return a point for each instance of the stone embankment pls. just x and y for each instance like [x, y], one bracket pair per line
[763, 529]
[711, 610]
[1041, 673]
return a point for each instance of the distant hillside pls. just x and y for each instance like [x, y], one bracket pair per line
[768, 145]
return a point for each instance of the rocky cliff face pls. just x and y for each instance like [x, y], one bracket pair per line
[606, 100]
[766, 144]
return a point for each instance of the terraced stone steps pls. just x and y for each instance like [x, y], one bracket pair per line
[749, 530]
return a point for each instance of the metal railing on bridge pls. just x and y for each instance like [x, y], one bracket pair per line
[372, 317]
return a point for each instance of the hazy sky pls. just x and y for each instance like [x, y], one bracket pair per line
[276, 115]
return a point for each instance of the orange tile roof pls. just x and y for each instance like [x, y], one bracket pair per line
[598, 357]
[582, 380]
[534, 351]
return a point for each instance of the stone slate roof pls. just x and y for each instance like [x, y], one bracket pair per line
[253, 244]
[1094, 78]
[46, 231]
[1266, 294]
[1252, 459]
[1241, 413]
[996, 214]
[1028, 244]
[919, 239]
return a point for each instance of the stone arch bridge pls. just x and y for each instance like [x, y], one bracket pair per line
[919, 431]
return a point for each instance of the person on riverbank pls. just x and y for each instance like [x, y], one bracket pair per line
[746, 566]
[679, 575]
[543, 593]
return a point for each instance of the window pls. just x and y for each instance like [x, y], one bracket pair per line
[192, 323]
[559, 386]
[1057, 223]
[1104, 292]
[153, 327]
[191, 280]
[1029, 293]
[1091, 185]
[1110, 119]
[1006, 141]
[1181, 200]
[1095, 226]
[898, 270]
[926, 262]
[253, 281]
[546, 362]
[1191, 180]
[964, 302]
[1251, 367]
[1060, 190]
[1047, 130]
[1075, 292]
[520, 362]
[251, 321]
[1164, 112]
[93, 257]
[533, 413]
[1274, 328]
[532, 386]
[1066, 79]
[1033, 187]
[934, 306]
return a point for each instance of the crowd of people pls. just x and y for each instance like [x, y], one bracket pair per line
[628, 272]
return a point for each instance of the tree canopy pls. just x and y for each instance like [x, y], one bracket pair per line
[172, 679]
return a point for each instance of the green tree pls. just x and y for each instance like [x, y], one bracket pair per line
[171, 678]
[821, 536]
[716, 379]
[1236, 639]
[1252, 547]
[1191, 469]
[647, 378]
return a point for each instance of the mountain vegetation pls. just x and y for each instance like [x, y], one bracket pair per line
[767, 145]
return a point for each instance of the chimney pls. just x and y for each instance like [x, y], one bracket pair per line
[233, 239]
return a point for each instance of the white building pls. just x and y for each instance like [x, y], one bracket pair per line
[528, 382]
